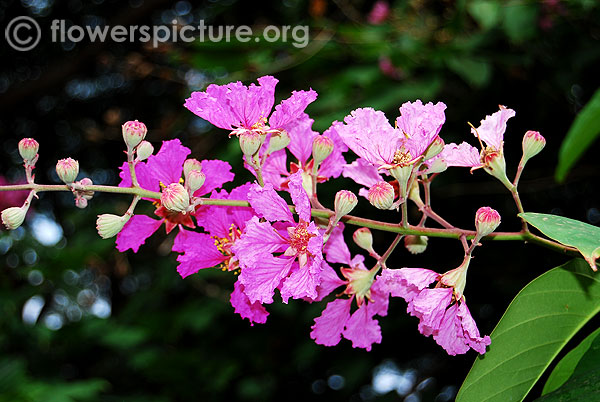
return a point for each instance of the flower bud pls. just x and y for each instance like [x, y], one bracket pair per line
[363, 239]
[189, 165]
[495, 164]
[194, 180]
[322, 147]
[67, 170]
[133, 133]
[175, 197]
[533, 143]
[434, 148]
[279, 141]
[250, 142]
[28, 148]
[13, 217]
[143, 151]
[415, 244]
[381, 195]
[345, 201]
[109, 225]
[486, 221]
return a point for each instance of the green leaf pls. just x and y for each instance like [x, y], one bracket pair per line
[582, 236]
[475, 72]
[565, 368]
[520, 21]
[582, 387]
[584, 130]
[485, 12]
[539, 322]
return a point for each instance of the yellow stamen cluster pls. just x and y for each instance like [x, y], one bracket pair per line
[402, 157]
[224, 244]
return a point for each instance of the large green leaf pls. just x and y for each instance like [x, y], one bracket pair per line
[539, 322]
[566, 367]
[582, 133]
[582, 236]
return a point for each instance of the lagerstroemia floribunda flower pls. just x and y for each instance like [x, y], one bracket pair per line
[245, 109]
[362, 286]
[284, 254]
[163, 169]
[442, 310]
[399, 150]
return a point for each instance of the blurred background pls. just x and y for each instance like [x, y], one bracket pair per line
[80, 321]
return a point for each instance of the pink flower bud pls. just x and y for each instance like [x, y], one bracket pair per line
[322, 147]
[28, 148]
[363, 239]
[133, 133]
[379, 13]
[189, 165]
[381, 195]
[279, 141]
[250, 142]
[415, 244]
[143, 151]
[13, 217]
[67, 170]
[109, 225]
[175, 197]
[486, 221]
[533, 143]
[345, 201]
[194, 180]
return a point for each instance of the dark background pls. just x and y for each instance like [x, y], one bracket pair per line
[126, 327]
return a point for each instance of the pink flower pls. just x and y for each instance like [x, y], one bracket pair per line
[276, 170]
[164, 169]
[285, 254]
[492, 128]
[442, 310]
[463, 155]
[336, 321]
[379, 12]
[241, 108]
[369, 134]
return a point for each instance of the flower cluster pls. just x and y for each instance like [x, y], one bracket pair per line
[276, 250]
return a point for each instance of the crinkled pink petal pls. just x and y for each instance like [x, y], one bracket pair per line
[420, 124]
[303, 282]
[492, 128]
[167, 165]
[275, 169]
[328, 327]
[254, 312]
[199, 251]
[336, 250]
[234, 105]
[268, 204]
[215, 219]
[362, 172]
[430, 306]
[362, 329]
[240, 215]
[301, 137]
[449, 335]
[136, 231]
[334, 164]
[291, 108]
[217, 173]
[369, 134]
[329, 282]
[463, 155]
[379, 298]
[406, 282]
[261, 280]
[299, 196]
[470, 331]
[258, 240]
